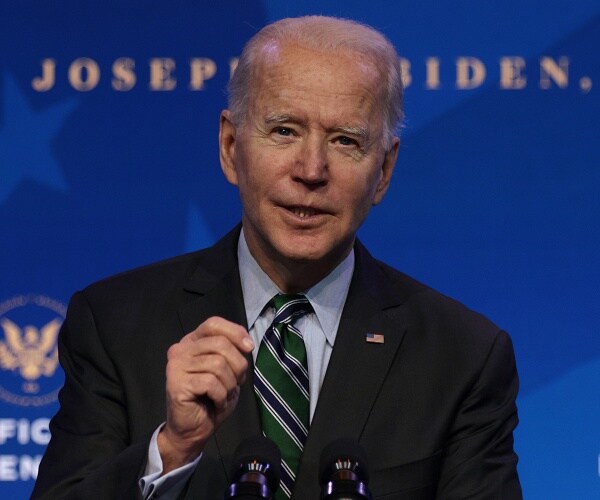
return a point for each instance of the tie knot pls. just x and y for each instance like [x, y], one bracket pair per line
[290, 306]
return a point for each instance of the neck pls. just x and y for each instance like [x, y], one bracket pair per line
[294, 275]
[297, 277]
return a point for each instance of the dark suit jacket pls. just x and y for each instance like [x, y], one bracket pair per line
[433, 406]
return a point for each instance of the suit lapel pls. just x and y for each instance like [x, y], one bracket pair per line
[356, 368]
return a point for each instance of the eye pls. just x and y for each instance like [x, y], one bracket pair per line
[284, 131]
[346, 141]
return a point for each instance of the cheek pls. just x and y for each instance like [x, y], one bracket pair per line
[363, 188]
[248, 172]
[360, 197]
[254, 186]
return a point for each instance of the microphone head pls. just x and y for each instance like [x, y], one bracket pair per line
[256, 466]
[344, 471]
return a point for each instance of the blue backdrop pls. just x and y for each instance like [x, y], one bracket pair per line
[108, 160]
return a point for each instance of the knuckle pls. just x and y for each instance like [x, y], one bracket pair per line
[212, 323]
[173, 351]
[220, 363]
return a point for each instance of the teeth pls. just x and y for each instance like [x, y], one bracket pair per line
[303, 212]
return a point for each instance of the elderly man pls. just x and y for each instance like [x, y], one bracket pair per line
[426, 386]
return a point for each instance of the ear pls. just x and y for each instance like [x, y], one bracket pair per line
[227, 143]
[387, 168]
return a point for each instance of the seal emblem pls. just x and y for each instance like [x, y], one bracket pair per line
[29, 374]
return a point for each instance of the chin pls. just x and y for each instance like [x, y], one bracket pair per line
[299, 255]
[307, 252]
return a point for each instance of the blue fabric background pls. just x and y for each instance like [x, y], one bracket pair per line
[495, 198]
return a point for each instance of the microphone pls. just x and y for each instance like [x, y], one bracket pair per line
[255, 470]
[343, 471]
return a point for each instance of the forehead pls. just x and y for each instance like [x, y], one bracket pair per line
[294, 74]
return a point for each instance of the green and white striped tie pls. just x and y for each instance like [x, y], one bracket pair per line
[281, 386]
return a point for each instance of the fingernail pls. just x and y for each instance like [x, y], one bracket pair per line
[248, 344]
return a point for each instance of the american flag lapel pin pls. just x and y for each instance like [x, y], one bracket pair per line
[374, 338]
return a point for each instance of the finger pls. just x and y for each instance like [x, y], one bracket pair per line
[217, 326]
[210, 354]
[203, 388]
[219, 366]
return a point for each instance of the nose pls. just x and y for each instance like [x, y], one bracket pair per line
[312, 164]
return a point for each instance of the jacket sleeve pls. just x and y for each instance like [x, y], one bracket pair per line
[90, 454]
[479, 461]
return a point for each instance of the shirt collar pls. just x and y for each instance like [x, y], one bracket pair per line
[327, 297]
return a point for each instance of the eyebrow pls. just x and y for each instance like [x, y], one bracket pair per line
[277, 118]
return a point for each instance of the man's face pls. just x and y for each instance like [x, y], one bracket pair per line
[309, 159]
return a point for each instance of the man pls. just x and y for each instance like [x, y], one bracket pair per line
[426, 386]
